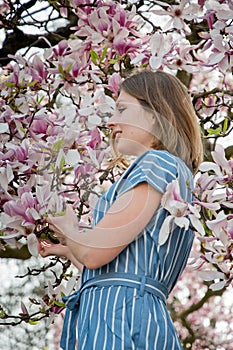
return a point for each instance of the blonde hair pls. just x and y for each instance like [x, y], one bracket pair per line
[176, 124]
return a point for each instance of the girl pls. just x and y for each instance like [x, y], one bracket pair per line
[127, 275]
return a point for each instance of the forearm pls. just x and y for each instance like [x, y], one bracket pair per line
[74, 260]
[90, 256]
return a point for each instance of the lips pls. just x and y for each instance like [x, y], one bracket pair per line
[116, 134]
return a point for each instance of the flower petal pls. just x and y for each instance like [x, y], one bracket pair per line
[218, 285]
[32, 244]
[197, 224]
[182, 222]
[165, 230]
[210, 275]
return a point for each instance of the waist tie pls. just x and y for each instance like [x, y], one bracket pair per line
[140, 282]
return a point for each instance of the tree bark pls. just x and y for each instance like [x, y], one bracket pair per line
[15, 253]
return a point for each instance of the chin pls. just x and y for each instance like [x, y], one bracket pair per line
[130, 148]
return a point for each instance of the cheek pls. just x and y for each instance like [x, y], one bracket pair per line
[139, 132]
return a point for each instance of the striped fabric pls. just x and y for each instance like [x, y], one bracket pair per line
[120, 317]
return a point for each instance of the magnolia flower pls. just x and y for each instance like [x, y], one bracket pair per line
[38, 70]
[161, 47]
[222, 167]
[112, 26]
[25, 208]
[182, 58]
[178, 13]
[217, 243]
[177, 207]
[221, 226]
[218, 45]
[221, 9]
[6, 176]
[52, 301]
[210, 275]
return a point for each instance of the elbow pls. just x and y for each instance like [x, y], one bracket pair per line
[94, 260]
[90, 262]
[85, 256]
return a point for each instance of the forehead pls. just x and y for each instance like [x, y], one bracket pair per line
[125, 98]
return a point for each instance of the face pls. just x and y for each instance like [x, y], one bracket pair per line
[131, 125]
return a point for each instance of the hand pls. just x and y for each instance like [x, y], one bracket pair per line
[46, 248]
[62, 225]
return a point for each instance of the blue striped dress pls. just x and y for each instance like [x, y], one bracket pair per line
[120, 317]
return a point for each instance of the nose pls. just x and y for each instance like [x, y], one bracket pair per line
[111, 122]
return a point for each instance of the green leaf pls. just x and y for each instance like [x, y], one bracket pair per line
[8, 84]
[70, 168]
[114, 61]
[44, 150]
[43, 310]
[61, 70]
[39, 99]
[94, 57]
[52, 167]
[33, 322]
[117, 59]
[33, 83]
[104, 53]
[58, 303]
[217, 131]
[225, 125]
[61, 213]
[2, 314]
[58, 145]
[22, 130]
[62, 162]
[68, 69]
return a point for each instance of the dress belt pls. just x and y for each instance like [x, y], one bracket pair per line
[140, 282]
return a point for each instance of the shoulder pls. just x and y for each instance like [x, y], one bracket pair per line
[159, 159]
[157, 168]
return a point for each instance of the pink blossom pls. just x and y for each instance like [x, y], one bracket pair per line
[39, 126]
[209, 17]
[82, 170]
[21, 152]
[39, 67]
[178, 208]
[60, 49]
[109, 25]
[220, 46]
[178, 13]
[95, 138]
[114, 83]
[222, 167]
[162, 46]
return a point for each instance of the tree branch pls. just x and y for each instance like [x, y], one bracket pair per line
[15, 253]
[18, 39]
[194, 307]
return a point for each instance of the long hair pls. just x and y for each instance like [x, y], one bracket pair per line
[176, 124]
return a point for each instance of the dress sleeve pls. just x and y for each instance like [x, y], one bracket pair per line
[157, 168]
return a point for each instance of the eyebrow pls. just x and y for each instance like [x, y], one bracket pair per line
[120, 102]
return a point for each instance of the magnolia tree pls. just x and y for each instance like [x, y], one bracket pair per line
[55, 146]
